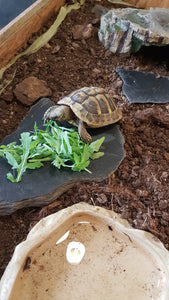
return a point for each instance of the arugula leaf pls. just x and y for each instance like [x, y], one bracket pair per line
[62, 146]
[34, 165]
[95, 146]
[10, 177]
[11, 160]
[25, 143]
[58, 162]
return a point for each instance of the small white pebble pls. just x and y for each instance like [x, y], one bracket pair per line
[47, 45]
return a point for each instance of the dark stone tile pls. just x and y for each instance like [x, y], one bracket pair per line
[142, 87]
[41, 186]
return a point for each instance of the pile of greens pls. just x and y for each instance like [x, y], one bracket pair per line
[62, 146]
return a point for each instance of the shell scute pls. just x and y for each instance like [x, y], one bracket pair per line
[92, 105]
[78, 96]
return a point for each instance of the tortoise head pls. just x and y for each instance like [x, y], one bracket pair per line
[58, 113]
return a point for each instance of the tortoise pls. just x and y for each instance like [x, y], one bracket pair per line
[85, 107]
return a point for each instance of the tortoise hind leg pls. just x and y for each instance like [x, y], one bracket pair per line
[84, 135]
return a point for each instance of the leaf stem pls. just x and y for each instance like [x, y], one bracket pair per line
[18, 178]
[48, 158]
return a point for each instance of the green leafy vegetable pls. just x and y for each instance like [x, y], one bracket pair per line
[62, 146]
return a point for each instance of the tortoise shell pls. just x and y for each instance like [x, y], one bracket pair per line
[93, 106]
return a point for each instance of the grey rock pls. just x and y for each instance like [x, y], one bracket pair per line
[56, 49]
[42, 186]
[99, 10]
[126, 30]
[82, 31]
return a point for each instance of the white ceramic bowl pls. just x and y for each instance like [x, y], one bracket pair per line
[86, 252]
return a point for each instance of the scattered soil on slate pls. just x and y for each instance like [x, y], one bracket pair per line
[139, 188]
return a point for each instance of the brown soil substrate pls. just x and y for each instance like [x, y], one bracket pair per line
[139, 188]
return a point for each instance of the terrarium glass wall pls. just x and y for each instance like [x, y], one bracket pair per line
[10, 9]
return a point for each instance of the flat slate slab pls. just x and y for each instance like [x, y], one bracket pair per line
[40, 187]
[10, 9]
[143, 87]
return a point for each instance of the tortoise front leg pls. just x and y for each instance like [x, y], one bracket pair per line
[84, 135]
